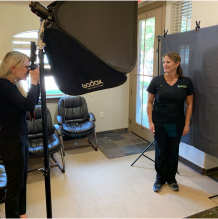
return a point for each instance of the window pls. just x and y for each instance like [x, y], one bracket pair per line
[21, 43]
[182, 13]
[145, 68]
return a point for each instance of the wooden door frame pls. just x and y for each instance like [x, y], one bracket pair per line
[141, 10]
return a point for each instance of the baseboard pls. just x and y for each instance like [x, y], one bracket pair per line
[112, 131]
[196, 168]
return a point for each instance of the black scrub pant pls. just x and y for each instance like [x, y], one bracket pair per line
[167, 139]
[15, 154]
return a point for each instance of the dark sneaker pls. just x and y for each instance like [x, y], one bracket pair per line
[157, 187]
[174, 186]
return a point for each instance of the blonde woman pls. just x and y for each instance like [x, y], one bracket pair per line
[14, 103]
[167, 95]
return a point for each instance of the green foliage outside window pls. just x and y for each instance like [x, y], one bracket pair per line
[53, 92]
[149, 41]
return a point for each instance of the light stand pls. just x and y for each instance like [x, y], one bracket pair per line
[44, 14]
[46, 169]
[213, 196]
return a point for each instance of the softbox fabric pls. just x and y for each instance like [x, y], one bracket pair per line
[91, 45]
[199, 52]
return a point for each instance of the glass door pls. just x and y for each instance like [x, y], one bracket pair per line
[149, 27]
[145, 68]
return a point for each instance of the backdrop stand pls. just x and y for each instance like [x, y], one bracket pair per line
[213, 196]
[158, 50]
[142, 154]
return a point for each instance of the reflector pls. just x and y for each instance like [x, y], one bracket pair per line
[91, 45]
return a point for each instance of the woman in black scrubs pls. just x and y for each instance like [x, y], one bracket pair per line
[167, 94]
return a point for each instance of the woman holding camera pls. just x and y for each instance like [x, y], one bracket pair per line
[166, 96]
[14, 151]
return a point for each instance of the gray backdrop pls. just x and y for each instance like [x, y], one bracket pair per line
[199, 54]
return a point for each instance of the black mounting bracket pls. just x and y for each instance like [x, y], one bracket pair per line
[197, 26]
[45, 171]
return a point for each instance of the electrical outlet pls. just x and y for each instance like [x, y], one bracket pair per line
[101, 114]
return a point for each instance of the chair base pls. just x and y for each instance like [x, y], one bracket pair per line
[95, 146]
[55, 164]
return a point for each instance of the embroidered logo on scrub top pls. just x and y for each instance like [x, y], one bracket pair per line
[181, 86]
[161, 85]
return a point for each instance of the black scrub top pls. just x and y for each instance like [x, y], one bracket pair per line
[169, 100]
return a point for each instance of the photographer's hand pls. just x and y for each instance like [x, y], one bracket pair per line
[34, 76]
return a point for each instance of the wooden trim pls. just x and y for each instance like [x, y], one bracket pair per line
[153, 6]
[141, 10]
[53, 99]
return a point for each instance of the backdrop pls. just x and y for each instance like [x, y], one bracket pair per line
[199, 54]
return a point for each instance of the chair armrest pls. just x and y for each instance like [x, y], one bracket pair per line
[60, 121]
[92, 117]
[58, 129]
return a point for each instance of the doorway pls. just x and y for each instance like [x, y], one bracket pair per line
[150, 25]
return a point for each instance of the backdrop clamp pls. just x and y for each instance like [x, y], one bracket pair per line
[165, 33]
[197, 26]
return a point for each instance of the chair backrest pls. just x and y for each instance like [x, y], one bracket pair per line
[73, 109]
[35, 127]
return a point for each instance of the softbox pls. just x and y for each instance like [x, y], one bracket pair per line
[91, 45]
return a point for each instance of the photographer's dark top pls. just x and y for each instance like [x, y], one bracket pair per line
[169, 100]
[13, 108]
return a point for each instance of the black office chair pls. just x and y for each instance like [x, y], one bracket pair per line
[75, 120]
[35, 138]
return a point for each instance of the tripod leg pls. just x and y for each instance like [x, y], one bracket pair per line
[213, 196]
[143, 152]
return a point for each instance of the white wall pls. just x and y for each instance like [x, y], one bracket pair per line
[16, 17]
[204, 11]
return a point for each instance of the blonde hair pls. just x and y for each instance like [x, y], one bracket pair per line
[175, 57]
[13, 58]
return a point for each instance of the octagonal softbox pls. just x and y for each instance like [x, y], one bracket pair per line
[91, 45]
